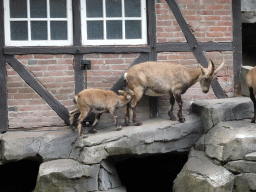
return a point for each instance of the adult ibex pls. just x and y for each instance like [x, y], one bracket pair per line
[98, 101]
[251, 82]
[159, 78]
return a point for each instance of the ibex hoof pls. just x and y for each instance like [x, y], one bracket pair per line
[92, 131]
[83, 136]
[182, 120]
[173, 118]
[119, 128]
[137, 123]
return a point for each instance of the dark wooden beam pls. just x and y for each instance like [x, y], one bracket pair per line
[34, 84]
[153, 101]
[185, 47]
[237, 42]
[77, 41]
[195, 46]
[3, 77]
[75, 50]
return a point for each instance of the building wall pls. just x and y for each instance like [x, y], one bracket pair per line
[210, 20]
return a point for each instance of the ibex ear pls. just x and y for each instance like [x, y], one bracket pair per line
[220, 67]
[121, 92]
[130, 92]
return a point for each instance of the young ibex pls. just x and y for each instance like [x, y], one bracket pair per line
[251, 82]
[99, 101]
[159, 78]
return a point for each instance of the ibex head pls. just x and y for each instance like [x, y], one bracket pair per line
[207, 75]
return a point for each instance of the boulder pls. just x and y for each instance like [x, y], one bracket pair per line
[201, 174]
[245, 182]
[241, 166]
[53, 144]
[216, 110]
[154, 136]
[229, 141]
[67, 175]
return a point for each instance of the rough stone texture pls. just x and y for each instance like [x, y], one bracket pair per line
[230, 140]
[216, 110]
[200, 174]
[108, 176]
[72, 163]
[154, 136]
[49, 145]
[67, 175]
[241, 166]
[250, 156]
[245, 182]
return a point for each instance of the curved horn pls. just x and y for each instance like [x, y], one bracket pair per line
[211, 67]
[220, 67]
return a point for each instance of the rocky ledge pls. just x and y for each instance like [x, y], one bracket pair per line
[224, 158]
[72, 163]
[218, 134]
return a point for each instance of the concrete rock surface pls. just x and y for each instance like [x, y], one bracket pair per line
[201, 174]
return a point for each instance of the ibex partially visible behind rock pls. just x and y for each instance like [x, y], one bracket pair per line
[159, 78]
[251, 82]
[99, 101]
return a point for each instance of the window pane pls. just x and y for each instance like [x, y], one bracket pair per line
[114, 29]
[113, 8]
[38, 9]
[39, 30]
[132, 8]
[58, 8]
[132, 29]
[59, 30]
[94, 8]
[19, 30]
[18, 8]
[94, 30]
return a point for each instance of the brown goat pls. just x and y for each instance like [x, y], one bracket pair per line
[160, 78]
[99, 101]
[251, 82]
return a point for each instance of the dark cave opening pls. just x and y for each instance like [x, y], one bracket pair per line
[19, 176]
[151, 173]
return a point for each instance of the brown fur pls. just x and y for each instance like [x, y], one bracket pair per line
[98, 101]
[251, 82]
[159, 78]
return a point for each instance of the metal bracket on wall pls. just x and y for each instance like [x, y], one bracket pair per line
[85, 64]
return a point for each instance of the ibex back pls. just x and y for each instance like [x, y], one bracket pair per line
[159, 78]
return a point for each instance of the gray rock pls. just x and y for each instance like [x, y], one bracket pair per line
[216, 110]
[154, 136]
[230, 141]
[250, 156]
[245, 182]
[49, 145]
[200, 174]
[67, 175]
[108, 176]
[241, 166]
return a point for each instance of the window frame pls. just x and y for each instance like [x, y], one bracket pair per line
[105, 41]
[29, 42]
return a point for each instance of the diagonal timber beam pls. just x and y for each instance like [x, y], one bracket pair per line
[195, 46]
[60, 109]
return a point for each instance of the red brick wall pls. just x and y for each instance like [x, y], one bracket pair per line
[209, 19]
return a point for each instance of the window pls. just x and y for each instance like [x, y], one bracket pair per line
[113, 22]
[38, 22]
